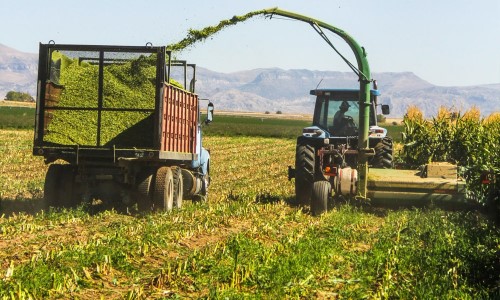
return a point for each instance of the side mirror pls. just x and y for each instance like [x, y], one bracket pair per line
[210, 113]
[385, 109]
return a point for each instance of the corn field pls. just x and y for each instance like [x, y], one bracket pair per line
[471, 142]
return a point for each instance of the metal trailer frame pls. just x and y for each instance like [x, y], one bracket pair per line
[175, 130]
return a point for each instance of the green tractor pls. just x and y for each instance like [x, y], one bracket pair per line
[312, 174]
[345, 153]
[327, 152]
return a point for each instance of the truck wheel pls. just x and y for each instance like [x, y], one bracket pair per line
[51, 187]
[320, 193]
[144, 181]
[67, 195]
[203, 195]
[205, 183]
[304, 172]
[163, 196]
[178, 186]
[383, 154]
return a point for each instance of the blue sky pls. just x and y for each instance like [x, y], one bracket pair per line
[446, 42]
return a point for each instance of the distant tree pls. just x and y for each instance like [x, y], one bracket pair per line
[279, 112]
[19, 96]
[267, 112]
[380, 118]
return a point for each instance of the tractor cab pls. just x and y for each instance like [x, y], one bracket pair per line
[337, 112]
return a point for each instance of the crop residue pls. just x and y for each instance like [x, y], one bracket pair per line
[195, 35]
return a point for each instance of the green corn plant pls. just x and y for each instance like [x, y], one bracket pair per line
[463, 139]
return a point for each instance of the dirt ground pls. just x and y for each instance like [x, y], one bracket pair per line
[17, 103]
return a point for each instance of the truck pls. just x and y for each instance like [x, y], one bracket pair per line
[114, 126]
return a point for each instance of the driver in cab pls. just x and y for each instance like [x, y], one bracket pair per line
[339, 121]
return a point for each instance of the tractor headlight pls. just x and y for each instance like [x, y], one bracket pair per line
[312, 132]
[376, 131]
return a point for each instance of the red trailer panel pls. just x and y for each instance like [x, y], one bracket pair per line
[180, 119]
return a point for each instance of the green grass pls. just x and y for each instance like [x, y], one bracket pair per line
[245, 242]
[17, 117]
[234, 125]
[393, 131]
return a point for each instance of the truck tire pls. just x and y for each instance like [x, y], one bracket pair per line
[178, 186]
[163, 196]
[59, 187]
[144, 182]
[67, 195]
[203, 195]
[304, 172]
[205, 183]
[51, 187]
[383, 154]
[320, 194]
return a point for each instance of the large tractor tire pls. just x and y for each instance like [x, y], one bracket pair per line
[178, 186]
[144, 183]
[320, 194]
[304, 172]
[383, 154]
[163, 196]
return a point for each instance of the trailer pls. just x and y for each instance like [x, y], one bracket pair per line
[114, 126]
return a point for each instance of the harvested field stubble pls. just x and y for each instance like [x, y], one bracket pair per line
[246, 241]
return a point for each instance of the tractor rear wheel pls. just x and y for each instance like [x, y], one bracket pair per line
[383, 154]
[163, 196]
[320, 194]
[304, 172]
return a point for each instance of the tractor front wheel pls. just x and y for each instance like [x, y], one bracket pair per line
[320, 194]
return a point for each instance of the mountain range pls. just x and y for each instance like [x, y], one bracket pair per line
[273, 89]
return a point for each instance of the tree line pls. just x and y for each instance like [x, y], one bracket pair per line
[19, 96]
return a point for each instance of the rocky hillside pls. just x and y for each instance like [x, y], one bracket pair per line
[288, 90]
[18, 71]
[274, 89]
